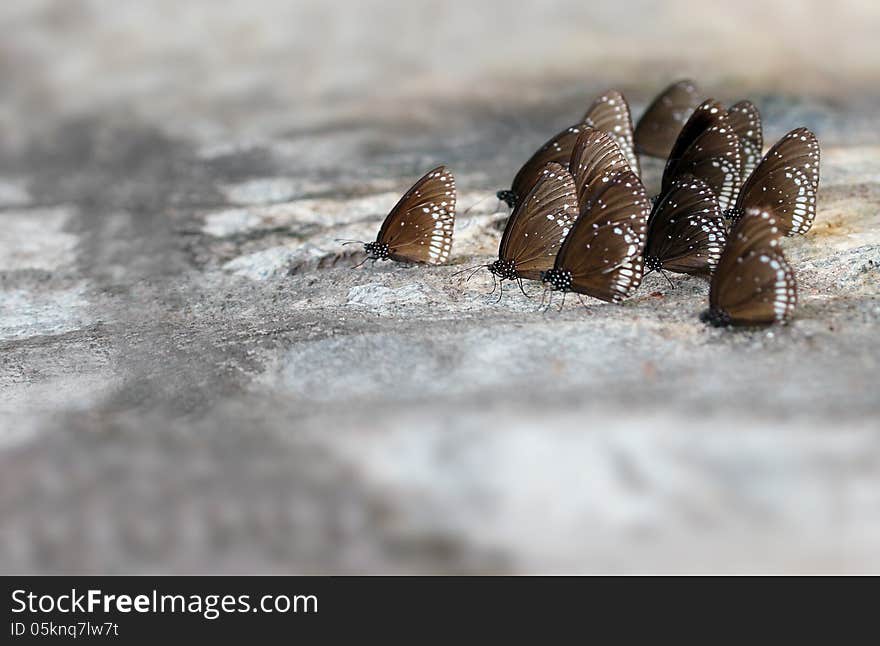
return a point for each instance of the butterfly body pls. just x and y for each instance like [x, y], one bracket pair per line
[504, 269]
[508, 197]
[377, 251]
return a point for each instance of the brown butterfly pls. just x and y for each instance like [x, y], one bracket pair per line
[609, 113]
[662, 120]
[419, 227]
[557, 150]
[708, 148]
[786, 181]
[602, 255]
[686, 229]
[537, 227]
[753, 284]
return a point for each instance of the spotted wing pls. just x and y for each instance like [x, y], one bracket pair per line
[419, 228]
[557, 150]
[786, 180]
[540, 223]
[686, 229]
[754, 284]
[745, 120]
[661, 122]
[604, 250]
[595, 160]
[715, 156]
[610, 113]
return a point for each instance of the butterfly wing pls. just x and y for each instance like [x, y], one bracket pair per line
[659, 126]
[754, 284]
[745, 120]
[791, 195]
[603, 252]
[715, 156]
[686, 229]
[610, 113]
[595, 160]
[557, 149]
[707, 114]
[786, 180]
[419, 228]
[540, 223]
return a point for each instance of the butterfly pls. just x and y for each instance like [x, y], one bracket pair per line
[786, 181]
[753, 283]
[537, 226]
[602, 255]
[707, 147]
[662, 120]
[419, 227]
[745, 120]
[686, 229]
[610, 113]
[556, 150]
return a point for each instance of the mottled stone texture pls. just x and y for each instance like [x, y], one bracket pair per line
[194, 379]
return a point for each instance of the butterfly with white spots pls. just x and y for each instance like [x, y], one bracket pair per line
[753, 284]
[419, 228]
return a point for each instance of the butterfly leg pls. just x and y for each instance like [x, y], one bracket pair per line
[561, 305]
[581, 299]
[549, 301]
[671, 284]
[500, 290]
[519, 280]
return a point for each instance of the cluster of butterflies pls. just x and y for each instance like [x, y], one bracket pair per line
[582, 220]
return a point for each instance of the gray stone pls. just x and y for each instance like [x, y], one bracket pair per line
[195, 378]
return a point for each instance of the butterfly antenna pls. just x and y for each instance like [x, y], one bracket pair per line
[478, 202]
[474, 272]
[345, 242]
[671, 284]
[467, 269]
[361, 262]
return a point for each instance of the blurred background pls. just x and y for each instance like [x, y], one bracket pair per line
[193, 378]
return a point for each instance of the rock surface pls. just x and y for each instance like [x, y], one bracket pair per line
[195, 379]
